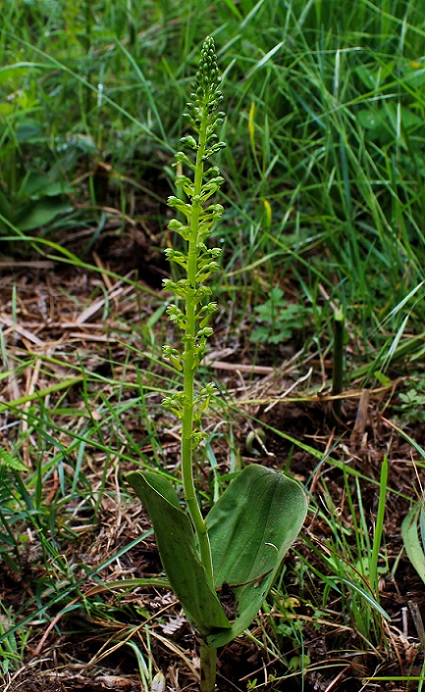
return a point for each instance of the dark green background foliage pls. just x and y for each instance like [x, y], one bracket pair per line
[325, 132]
[324, 172]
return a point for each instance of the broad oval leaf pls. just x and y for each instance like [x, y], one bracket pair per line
[251, 527]
[411, 540]
[40, 213]
[177, 547]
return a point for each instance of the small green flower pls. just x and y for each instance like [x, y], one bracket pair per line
[199, 182]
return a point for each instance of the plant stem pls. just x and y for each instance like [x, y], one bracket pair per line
[338, 362]
[189, 363]
[208, 655]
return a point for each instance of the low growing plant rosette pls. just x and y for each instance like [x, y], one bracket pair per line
[241, 542]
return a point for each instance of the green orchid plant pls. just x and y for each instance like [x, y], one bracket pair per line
[240, 544]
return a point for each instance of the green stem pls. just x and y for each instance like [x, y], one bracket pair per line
[208, 655]
[189, 361]
[338, 362]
